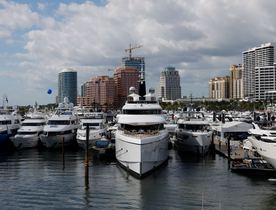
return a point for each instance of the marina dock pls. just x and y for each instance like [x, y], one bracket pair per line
[236, 152]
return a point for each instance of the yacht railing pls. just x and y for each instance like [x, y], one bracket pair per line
[141, 133]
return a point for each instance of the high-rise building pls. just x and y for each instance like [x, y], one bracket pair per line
[236, 86]
[255, 57]
[83, 89]
[265, 81]
[170, 88]
[219, 87]
[99, 93]
[139, 64]
[67, 85]
[125, 77]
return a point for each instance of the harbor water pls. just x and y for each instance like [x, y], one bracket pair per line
[34, 179]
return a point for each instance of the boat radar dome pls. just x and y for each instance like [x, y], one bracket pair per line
[132, 95]
[60, 105]
[66, 100]
[132, 90]
[150, 96]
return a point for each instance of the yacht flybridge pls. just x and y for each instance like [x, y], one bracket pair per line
[141, 139]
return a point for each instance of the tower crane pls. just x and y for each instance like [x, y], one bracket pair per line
[132, 48]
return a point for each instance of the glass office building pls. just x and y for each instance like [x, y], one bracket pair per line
[67, 86]
[170, 88]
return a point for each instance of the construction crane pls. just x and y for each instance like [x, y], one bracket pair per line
[132, 48]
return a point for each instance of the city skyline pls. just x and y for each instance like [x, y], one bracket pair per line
[201, 39]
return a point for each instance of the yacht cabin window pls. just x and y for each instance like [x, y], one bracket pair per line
[142, 128]
[135, 111]
[73, 122]
[33, 124]
[58, 122]
[26, 133]
[193, 127]
[91, 124]
[5, 122]
[58, 133]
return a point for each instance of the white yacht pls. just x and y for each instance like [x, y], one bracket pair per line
[9, 124]
[193, 133]
[61, 127]
[97, 128]
[264, 141]
[141, 140]
[28, 134]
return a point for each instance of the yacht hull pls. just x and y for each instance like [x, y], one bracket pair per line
[21, 142]
[54, 142]
[93, 137]
[265, 149]
[82, 142]
[5, 137]
[141, 155]
[193, 142]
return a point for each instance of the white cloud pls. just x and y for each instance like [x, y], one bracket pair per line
[41, 6]
[14, 16]
[201, 38]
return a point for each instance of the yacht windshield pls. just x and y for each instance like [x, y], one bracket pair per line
[135, 111]
[142, 128]
[33, 124]
[58, 122]
[64, 112]
[26, 133]
[91, 124]
[5, 122]
[67, 113]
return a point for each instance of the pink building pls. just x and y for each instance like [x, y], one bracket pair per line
[124, 78]
[105, 93]
[99, 93]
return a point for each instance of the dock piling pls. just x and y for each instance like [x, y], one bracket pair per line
[229, 152]
[86, 162]
[63, 158]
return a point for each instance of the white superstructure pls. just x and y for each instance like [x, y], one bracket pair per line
[28, 134]
[97, 128]
[141, 139]
[61, 127]
[193, 133]
[264, 141]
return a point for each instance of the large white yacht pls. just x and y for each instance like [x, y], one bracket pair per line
[28, 134]
[264, 141]
[9, 124]
[193, 133]
[61, 127]
[97, 128]
[141, 140]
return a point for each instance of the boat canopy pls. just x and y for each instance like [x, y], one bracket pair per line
[234, 126]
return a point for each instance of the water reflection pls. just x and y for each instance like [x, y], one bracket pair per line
[34, 179]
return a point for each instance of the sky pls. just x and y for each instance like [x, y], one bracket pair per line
[200, 38]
